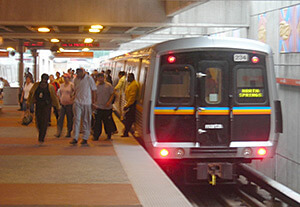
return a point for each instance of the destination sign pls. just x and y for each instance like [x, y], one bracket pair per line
[250, 93]
[34, 44]
[95, 44]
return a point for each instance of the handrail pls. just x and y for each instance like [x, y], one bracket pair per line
[273, 187]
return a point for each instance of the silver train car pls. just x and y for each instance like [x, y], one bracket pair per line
[206, 104]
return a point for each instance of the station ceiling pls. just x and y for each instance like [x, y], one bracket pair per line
[70, 20]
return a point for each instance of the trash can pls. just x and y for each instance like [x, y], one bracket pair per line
[11, 95]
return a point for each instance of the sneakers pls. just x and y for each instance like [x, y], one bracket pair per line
[74, 141]
[83, 141]
[68, 135]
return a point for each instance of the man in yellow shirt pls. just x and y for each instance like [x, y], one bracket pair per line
[131, 96]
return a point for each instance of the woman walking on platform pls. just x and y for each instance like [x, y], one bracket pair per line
[44, 96]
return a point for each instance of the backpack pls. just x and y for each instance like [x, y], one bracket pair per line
[42, 95]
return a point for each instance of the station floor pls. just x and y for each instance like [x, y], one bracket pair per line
[102, 173]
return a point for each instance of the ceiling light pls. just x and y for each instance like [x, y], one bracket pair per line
[10, 49]
[54, 40]
[85, 49]
[61, 49]
[93, 30]
[43, 29]
[97, 26]
[88, 40]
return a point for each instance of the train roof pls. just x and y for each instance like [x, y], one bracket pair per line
[199, 43]
[212, 42]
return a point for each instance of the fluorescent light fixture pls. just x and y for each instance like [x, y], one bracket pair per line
[92, 30]
[88, 40]
[54, 40]
[10, 49]
[97, 26]
[43, 29]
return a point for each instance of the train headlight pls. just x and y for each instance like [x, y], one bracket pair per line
[262, 151]
[247, 152]
[164, 152]
[179, 152]
[171, 59]
[255, 59]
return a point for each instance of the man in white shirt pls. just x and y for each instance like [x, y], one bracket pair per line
[85, 96]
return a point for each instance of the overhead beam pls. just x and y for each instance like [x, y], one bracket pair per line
[66, 36]
[6, 28]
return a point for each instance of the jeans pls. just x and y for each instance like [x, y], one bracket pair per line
[84, 113]
[68, 111]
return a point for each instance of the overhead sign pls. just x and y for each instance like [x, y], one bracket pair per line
[95, 44]
[288, 81]
[34, 44]
[75, 55]
[4, 54]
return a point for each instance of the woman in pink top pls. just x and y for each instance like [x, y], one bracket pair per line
[65, 94]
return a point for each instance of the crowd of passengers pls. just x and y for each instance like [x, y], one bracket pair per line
[84, 99]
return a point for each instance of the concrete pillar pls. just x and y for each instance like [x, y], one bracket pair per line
[21, 64]
[35, 71]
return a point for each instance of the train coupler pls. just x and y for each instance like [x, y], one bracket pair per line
[213, 180]
[213, 170]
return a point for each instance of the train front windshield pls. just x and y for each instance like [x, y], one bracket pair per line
[212, 98]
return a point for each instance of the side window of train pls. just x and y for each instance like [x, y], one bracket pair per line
[143, 77]
[175, 84]
[250, 87]
[213, 85]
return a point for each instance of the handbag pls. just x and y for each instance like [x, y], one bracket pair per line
[27, 119]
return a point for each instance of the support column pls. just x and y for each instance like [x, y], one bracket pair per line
[21, 64]
[35, 72]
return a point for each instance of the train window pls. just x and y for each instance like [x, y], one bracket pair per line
[250, 85]
[213, 89]
[143, 77]
[175, 84]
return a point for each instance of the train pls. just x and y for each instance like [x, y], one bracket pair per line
[206, 104]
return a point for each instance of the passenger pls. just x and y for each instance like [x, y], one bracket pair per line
[56, 87]
[94, 75]
[66, 95]
[108, 77]
[28, 74]
[131, 96]
[5, 82]
[43, 95]
[121, 83]
[59, 79]
[85, 96]
[105, 94]
[25, 93]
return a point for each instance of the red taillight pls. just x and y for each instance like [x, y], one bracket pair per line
[255, 59]
[164, 152]
[262, 151]
[171, 59]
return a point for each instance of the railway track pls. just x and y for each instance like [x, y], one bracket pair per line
[252, 189]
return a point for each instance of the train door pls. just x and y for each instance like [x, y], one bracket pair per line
[212, 106]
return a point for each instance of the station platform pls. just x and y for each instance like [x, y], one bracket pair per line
[100, 174]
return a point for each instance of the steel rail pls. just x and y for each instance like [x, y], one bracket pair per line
[275, 188]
